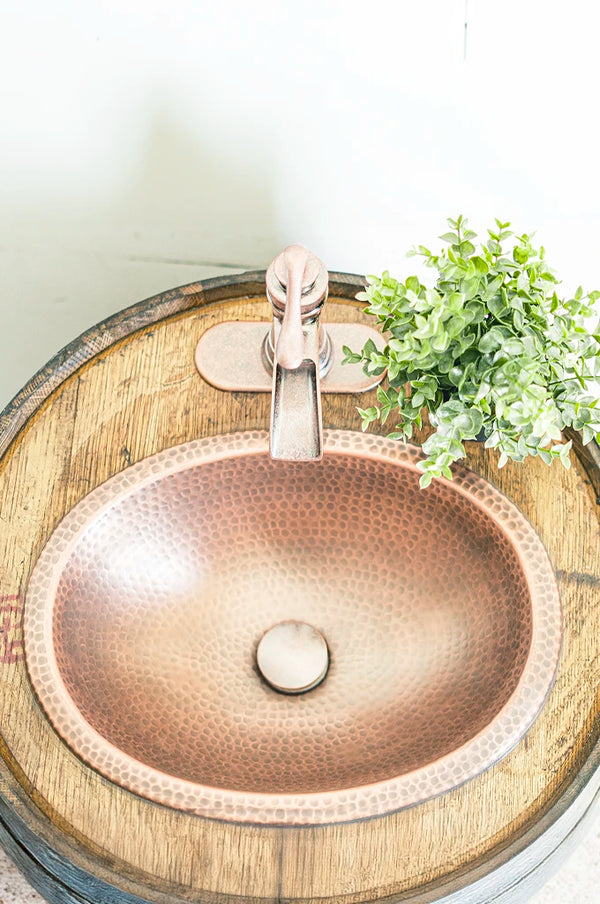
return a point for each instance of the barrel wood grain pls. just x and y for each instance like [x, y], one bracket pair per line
[128, 389]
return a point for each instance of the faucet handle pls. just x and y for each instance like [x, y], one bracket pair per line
[297, 284]
[296, 269]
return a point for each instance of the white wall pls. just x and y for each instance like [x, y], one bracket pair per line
[146, 144]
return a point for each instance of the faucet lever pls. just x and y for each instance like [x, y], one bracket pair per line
[294, 269]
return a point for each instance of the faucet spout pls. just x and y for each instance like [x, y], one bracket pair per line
[297, 284]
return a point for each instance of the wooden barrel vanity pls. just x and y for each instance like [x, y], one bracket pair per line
[128, 389]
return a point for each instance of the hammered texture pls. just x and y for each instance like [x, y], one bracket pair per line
[143, 613]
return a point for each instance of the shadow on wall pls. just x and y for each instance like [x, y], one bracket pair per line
[203, 205]
[162, 212]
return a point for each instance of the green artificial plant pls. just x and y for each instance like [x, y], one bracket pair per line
[490, 352]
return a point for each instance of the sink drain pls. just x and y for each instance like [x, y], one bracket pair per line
[292, 657]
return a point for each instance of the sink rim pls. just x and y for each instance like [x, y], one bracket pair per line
[444, 774]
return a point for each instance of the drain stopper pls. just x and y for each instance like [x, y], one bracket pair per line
[292, 657]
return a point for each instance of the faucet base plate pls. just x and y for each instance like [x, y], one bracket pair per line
[229, 357]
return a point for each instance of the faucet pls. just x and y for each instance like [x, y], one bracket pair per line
[298, 351]
[292, 355]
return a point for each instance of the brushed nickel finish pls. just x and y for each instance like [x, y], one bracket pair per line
[145, 610]
[292, 657]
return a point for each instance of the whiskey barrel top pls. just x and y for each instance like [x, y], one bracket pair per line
[128, 389]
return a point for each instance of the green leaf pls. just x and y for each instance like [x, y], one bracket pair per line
[493, 286]
[350, 357]
[480, 265]
[520, 254]
[513, 347]
[470, 287]
[489, 342]
[368, 416]
[369, 348]
[440, 341]
[394, 369]
[425, 480]
[498, 305]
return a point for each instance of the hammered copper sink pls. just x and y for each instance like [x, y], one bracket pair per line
[439, 609]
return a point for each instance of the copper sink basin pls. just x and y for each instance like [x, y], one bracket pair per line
[439, 609]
